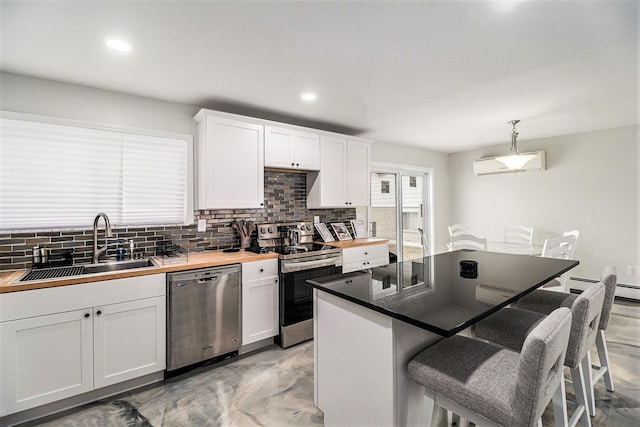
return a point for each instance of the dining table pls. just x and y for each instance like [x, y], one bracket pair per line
[513, 247]
[369, 324]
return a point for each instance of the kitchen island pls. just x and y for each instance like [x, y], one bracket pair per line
[369, 324]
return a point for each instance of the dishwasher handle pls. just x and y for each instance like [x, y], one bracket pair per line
[197, 281]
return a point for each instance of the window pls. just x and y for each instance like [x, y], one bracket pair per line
[59, 176]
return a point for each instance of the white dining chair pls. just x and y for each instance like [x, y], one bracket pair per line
[575, 233]
[468, 241]
[455, 230]
[563, 247]
[518, 234]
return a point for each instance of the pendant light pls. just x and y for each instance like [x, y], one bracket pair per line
[515, 160]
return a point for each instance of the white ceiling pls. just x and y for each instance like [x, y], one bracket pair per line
[444, 75]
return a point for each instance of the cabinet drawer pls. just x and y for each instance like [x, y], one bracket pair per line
[365, 253]
[259, 269]
[363, 265]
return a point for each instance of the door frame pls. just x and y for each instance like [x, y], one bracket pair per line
[399, 170]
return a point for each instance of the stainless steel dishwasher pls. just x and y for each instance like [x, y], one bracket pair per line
[203, 315]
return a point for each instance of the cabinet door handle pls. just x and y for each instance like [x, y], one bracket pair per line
[261, 204]
[261, 270]
[366, 253]
[87, 315]
[297, 165]
[99, 312]
[292, 164]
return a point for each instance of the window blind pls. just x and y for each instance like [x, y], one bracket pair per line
[58, 176]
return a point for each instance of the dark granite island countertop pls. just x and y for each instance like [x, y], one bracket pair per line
[369, 324]
[443, 293]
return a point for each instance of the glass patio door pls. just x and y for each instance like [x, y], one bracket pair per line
[397, 213]
[383, 215]
[412, 199]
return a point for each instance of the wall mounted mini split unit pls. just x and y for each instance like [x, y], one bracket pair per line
[490, 166]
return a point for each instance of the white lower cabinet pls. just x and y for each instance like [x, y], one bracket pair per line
[60, 342]
[364, 257]
[260, 290]
[45, 358]
[129, 340]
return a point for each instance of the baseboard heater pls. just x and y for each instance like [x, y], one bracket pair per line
[619, 285]
[627, 292]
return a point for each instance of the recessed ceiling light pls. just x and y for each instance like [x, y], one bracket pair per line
[118, 45]
[308, 96]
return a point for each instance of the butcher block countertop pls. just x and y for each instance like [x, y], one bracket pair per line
[196, 260]
[344, 244]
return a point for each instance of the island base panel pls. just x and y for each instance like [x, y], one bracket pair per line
[361, 359]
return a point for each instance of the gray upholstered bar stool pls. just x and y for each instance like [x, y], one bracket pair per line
[544, 302]
[610, 280]
[510, 326]
[490, 385]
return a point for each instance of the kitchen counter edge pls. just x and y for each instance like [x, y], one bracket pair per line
[345, 244]
[196, 260]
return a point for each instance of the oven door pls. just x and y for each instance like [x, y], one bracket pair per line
[296, 296]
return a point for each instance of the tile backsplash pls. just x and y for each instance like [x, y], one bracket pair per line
[285, 197]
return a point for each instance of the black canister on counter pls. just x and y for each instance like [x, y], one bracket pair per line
[468, 269]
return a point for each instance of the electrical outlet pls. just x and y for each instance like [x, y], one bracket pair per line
[631, 270]
[202, 225]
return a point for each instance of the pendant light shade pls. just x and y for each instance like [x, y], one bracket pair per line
[515, 160]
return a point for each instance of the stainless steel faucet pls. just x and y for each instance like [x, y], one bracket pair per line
[107, 233]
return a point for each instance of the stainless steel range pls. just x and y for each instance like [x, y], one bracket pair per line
[300, 260]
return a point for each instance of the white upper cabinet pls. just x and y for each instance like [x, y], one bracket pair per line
[358, 176]
[343, 180]
[291, 149]
[230, 162]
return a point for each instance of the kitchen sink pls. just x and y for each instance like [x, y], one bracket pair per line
[117, 266]
[77, 270]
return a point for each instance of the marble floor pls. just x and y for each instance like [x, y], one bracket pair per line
[274, 387]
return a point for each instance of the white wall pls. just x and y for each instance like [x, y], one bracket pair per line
[399, 154]
[591, 183]
[31, 95]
